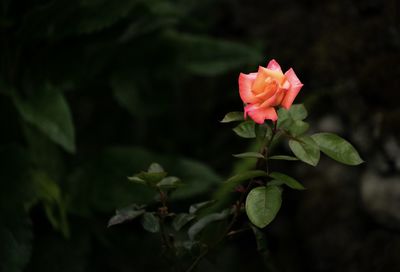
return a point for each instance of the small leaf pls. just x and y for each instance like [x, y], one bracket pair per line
[169, 183]
[262, 205]
[245, 129]
[125, 214]
[337, 148]
[249, 155]
[306, 150]
[287, 180]
[298, 112]
[155, 168]
[298, 128]
[284, 118]
[150, 222]
[181, 220]
[283, 157]
[151, 177]
[204, 221]
[233, 116]
[137, 180]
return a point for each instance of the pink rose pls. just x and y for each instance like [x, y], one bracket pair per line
[267, 89]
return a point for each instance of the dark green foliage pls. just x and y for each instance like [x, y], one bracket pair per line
[263, 204]
[94, 91]
[245, 129]
[281, 178]
[15, 226]
[337, 148]
[105, 81]
[305, 149]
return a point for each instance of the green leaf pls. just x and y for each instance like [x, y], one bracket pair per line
[298, 128]
[287, 180]
[249, 155]
[245, 129]
[337, 148]
[125, 214]
[262, 205]
[137, 180]
[306, 150]
[150, 222]
[155, 168]
[169, 183]
[233, 116]
[298, 112]
[284, 118]
[48, 110]
[283, 157]
[204, 221]
[181, 220]
[295, 114]
[151, 177]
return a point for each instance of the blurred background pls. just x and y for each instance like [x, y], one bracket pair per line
[93, 91]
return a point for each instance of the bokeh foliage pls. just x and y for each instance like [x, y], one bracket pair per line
[93, 91]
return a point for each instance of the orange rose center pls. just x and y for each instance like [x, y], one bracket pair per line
[270, 87]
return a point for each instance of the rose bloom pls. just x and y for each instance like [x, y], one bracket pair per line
[267, 89]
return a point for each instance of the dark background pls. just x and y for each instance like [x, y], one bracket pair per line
[93, 91]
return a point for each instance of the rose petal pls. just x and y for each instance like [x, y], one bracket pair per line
[270, 102]
[275, 74]
[263, 74]
[269, 90]
[295, 86]
[274, 65]
[280, 94]
[245, 83]
[260, 114]
[259, 82]
[292, 77]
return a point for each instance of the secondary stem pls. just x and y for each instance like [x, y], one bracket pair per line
[259, 164]
[162, 213]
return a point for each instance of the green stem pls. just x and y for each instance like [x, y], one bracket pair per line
[162, 212]
[265, 148]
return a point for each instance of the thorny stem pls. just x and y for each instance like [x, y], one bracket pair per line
[259, 164]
